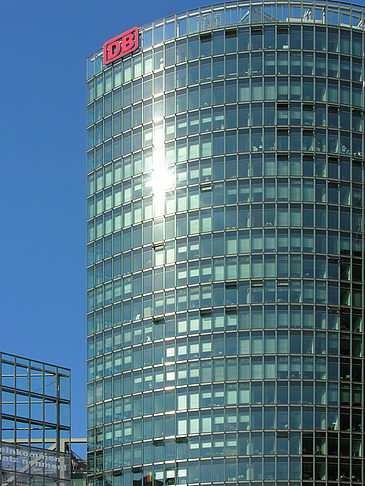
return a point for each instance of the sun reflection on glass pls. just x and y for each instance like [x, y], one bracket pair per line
[162, 181]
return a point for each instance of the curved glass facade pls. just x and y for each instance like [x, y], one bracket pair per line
[225, 250]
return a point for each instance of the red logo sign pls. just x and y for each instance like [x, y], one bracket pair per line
[121, 45]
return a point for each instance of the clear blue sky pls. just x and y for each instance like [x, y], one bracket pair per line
[44, 45]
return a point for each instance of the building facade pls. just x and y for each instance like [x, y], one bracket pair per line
[225, 249]
[35, 422]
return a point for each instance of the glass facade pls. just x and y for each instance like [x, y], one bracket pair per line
[35, 423]
[226, 250]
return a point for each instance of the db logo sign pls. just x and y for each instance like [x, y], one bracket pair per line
[121, 45]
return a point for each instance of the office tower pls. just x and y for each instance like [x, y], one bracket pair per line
[35, 422]
[225, 248]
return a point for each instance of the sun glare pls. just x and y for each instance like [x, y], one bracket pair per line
[162, 181]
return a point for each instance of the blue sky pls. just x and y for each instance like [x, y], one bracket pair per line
[42, 151]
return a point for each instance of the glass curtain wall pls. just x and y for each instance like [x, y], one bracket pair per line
[225, 250]
[35, 422]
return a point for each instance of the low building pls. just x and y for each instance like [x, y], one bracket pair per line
[35, 422]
